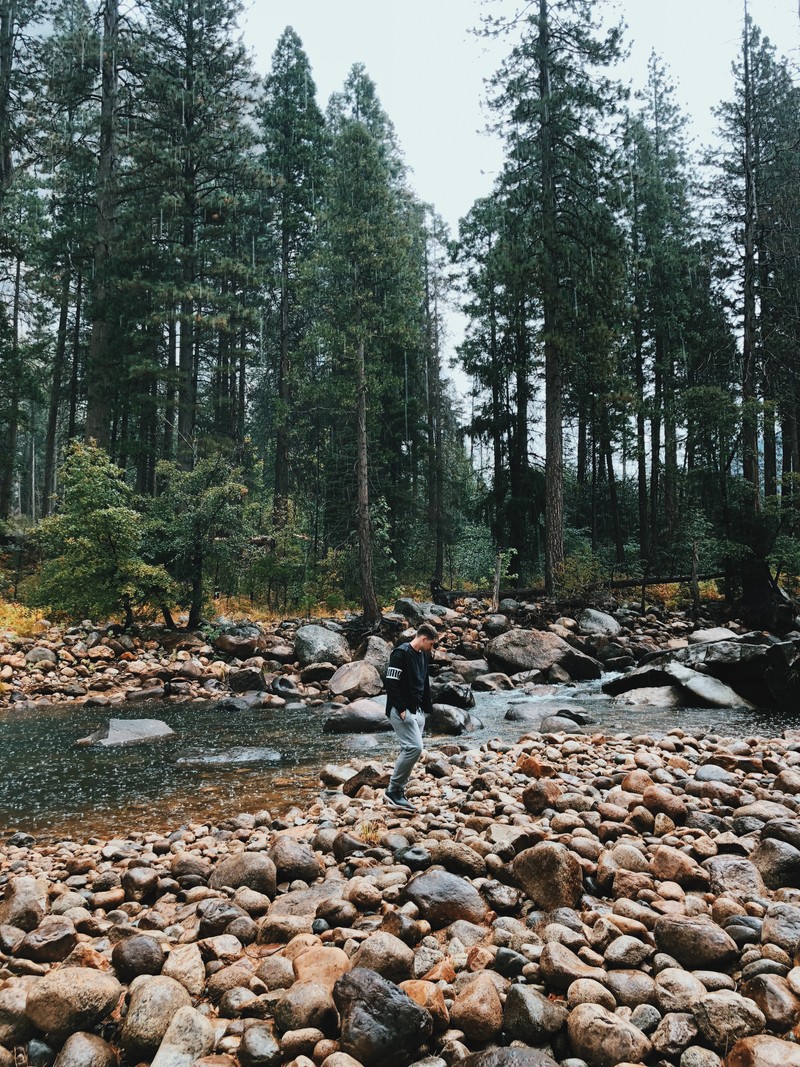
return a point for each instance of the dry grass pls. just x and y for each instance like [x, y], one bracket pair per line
[18, 619]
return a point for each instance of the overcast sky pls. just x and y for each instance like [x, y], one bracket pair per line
[430, 69]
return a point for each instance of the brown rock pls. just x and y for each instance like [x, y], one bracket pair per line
[429, 996]
[695, 941]
[604, 1039]
[477, 1009]
[763, 1051]
[775, 998]
[550, 875]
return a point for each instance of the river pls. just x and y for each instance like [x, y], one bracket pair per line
[222, 763]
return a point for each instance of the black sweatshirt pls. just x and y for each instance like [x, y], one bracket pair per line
[407, 684]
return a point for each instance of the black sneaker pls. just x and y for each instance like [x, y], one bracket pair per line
[396, 801]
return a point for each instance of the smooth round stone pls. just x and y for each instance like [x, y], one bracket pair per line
[588, 991]
[646, 1017]
[677, 990]
[86, 1050]
[725, 1017]
[136, 955]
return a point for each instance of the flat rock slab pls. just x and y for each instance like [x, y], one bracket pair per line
[128, 732]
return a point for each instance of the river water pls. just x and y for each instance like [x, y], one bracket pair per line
[221, 763]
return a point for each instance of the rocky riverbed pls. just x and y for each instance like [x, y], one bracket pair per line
[592, 899]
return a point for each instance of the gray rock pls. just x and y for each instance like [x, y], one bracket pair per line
[712, 634]
[387, 955]
[258, 1047]
[600, 623]
[154, 1001]
[781, 926]
[306, 1004]
[447, 719]
[52, 940]
[189, 1036]
[24, 903]
[317, 644]
[120, 732]
[705, 688]
[778, 862]
[531, 1017]
[356, 679]
[734, 874]
[71, 999]
[380, 1025]
[361, 716]
[675, 1032]
[377, 652]
[528, 650]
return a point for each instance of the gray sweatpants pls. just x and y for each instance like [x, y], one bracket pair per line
[409, 734]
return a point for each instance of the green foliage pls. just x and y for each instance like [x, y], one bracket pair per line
[583, 576]
[197, 524]
[93, 548]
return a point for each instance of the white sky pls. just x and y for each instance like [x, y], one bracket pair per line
[430, 69]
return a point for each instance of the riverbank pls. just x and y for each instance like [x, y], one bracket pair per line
[605, 899]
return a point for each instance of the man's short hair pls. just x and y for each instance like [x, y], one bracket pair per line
[426, 630]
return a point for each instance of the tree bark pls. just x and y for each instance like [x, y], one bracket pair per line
[554, 471]
[749, 355]
[99, 369]
[369, 600]
[10, 452]
[59, 361]
[280, 501]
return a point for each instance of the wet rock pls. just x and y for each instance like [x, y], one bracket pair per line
[86, 1050]
[531, 1017]
[778, 862]
[561, 967]
[675, 1032]
[154, 1002]
[140, 954]
[550, 875]
[380, 1025]
[140, 883]
[429, 996]
[763, 1051]
[452, 691]
[52, 940]
[442, 898]
[121, 732]
[189, 1037]
[361, 716]
[604, 1039]
[71, 999]
[510, 1057]
[477, 1009]
[306, 1004]
[725, 1017]
[251, 869]
[775, 998]
[447, 719]
[695, 941]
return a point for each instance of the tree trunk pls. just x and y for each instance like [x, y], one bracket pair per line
[749, 356]
[280, 500]
[169, 402]
[196, 605]
[187, 370]
[7, 33]
[50, 444]
[8, 460]
[74, 374]
[100, 371]
[369, 600]
[554, 471]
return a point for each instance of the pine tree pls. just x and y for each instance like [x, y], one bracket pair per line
[292, 131]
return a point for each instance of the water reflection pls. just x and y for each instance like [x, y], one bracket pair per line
[223, 762]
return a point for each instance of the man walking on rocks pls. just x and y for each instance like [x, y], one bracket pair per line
[408, 700]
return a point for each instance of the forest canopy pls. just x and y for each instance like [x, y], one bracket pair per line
[222, 340]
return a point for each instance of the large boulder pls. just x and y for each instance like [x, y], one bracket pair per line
[317, 644]
[377, 652]
[451, 689]
[538, 650]
[448, 719]
[598, 623]
[362, 716]
[711, 634]
[381, 1026]
[356, 679]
